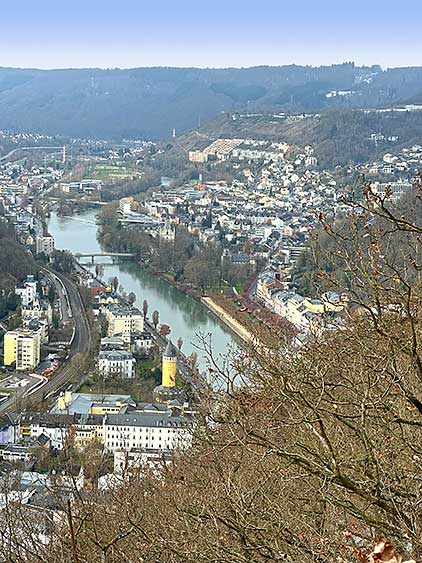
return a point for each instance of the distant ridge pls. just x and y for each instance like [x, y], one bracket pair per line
[149, 102]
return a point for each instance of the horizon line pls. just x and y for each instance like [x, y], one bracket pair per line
[193, 67]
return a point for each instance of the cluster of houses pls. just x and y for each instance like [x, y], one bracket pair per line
[116, 423]
[249, 150]
[402, 165]
[393, 175]
[137, 436]
[22, 346]
[263, 209]
[16, 197]
[143, 433]
[263, 216]
[128, 338]
[308, 316]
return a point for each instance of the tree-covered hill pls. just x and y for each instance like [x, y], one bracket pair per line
[150, 102]
[15, 262]
[339, 136]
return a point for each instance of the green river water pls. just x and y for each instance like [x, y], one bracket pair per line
[186, 317]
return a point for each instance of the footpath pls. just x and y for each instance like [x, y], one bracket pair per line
[230, 321]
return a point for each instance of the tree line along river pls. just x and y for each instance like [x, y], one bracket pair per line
[187, 318]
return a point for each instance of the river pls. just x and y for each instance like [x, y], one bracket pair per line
[187, 318]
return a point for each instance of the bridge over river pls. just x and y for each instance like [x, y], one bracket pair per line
[94, 255]
[187, 318]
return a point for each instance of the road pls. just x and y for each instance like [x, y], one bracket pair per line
[9, 154]
[80, 345]
[65, 308]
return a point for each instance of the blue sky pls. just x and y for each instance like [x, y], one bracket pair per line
[214, 33]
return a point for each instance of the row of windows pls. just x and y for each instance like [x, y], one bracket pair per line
[129, 439]
[139, 428]
[120, 444]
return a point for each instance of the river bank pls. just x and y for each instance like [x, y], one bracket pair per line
[188, 317]
[217, 309]
[230, 321]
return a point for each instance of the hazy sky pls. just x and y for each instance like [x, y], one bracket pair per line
[211, 33]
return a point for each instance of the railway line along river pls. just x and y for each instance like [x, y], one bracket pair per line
[187, 318]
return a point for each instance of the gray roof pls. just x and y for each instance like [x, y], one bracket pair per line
[150, 419]
[114, 355]
[124, 310]
[82, 402]
[171, 350]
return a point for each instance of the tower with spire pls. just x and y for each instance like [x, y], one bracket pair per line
[169, 365]
[168, 391]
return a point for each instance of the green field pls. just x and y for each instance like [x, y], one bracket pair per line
[111, 173]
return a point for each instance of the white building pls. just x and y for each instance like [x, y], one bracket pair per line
[392, 190]
[142, 343]
[27, 291]
[125, 205]
[37, 310]
[147, 430]
[136, 459]
[116, 363]
[15, 453]
[30, 426]
[44, 245]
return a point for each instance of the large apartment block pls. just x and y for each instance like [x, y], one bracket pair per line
[22, 347]
[153, 428]
[123, 319]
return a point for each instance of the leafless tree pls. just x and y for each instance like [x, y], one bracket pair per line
[313, 456]
[145, 308]
[155, 319]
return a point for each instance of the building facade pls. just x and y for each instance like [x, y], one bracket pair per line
[116, 363]
[123, 319]
[22, 347]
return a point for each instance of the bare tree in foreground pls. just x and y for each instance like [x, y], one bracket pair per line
[315, 457]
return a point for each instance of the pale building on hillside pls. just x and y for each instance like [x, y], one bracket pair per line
[116, 363]
[27, 291]
[22, 347]
[123, 319]
[127, 205]
[44, 245]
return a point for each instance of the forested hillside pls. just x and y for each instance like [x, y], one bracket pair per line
[339, 136]
[15, 263]
[150, 102]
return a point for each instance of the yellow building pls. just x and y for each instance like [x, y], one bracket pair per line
[169, 366]
[198, 156]
[317, 306]
[22, 347]
[87, 429]
[167, 391]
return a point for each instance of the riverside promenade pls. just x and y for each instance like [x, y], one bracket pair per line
[230, 321]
